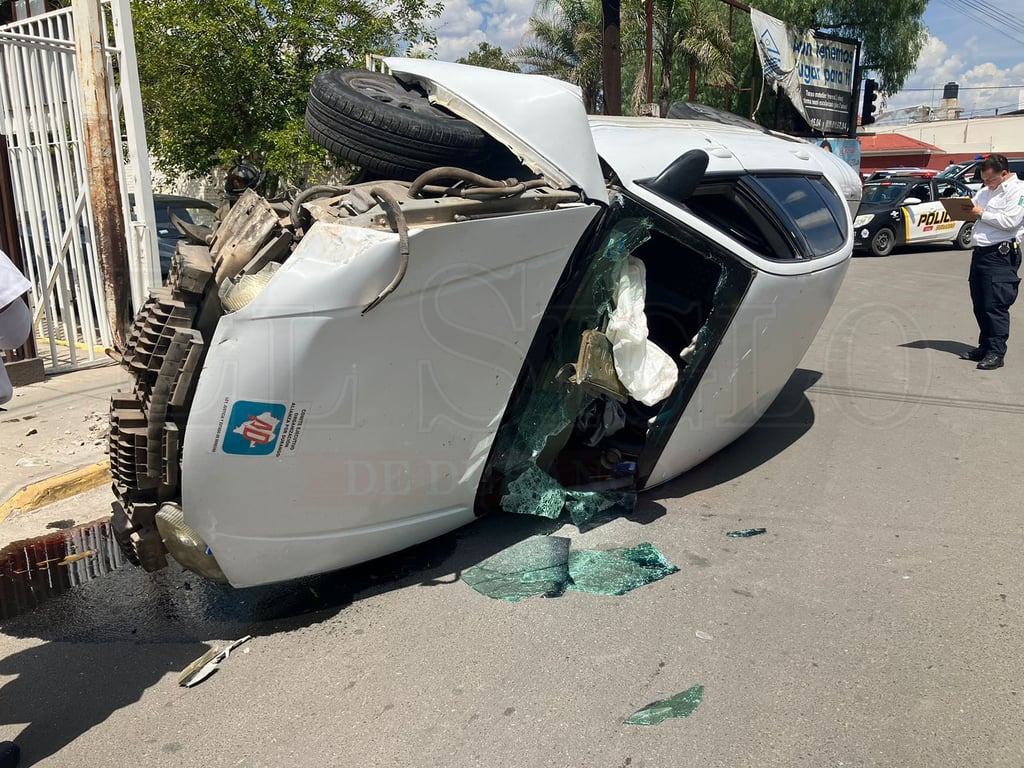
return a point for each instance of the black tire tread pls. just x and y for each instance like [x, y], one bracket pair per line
[344, 130]
[961, 242]
[386, 139]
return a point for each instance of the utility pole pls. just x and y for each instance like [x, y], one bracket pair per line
[100, 158]
[611, 58]
[649, 40]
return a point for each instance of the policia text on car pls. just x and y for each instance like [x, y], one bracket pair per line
[995, 259]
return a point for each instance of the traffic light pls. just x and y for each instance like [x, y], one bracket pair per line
[867, 112]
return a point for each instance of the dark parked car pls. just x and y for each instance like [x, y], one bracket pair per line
[191, 210]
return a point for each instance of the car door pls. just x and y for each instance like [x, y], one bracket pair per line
[971, 177]
[953, 188]
[926, 219]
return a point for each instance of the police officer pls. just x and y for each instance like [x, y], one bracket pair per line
[995, 260]
[15, 319]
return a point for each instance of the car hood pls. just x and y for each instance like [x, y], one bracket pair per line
[641, 147]
[540, 119]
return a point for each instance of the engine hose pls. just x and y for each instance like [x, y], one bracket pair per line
[474, 192]
[396, 218]
[481, 186]
[306, 194]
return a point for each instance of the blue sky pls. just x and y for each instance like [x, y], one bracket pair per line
[967, 44]
[970, 46]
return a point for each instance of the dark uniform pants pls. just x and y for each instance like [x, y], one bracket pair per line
[994, 281]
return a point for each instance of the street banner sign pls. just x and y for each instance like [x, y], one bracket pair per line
[815, 70]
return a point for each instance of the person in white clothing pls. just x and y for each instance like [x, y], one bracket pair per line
[995, 260]
[15, 318]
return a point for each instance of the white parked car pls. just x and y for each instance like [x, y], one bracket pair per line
[585, 309]
[970, 172]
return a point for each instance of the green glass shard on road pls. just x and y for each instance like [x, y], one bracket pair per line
[746, 533]
[537, 566]
[534, 492]
[681, 705]
[544, 566]
[584, 506]
[617, 571]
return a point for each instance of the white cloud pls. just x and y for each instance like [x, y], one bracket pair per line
[979, 92]
[465, 23]
[508, 21]
[967, 66]
[458, 29]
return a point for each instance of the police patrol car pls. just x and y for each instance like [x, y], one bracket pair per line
[906, 209]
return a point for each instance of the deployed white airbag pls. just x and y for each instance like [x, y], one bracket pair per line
[643, 368]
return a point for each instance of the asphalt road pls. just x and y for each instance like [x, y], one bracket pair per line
[876, 623]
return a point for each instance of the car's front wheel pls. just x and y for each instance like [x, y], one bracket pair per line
[883, 242]
[964, 240]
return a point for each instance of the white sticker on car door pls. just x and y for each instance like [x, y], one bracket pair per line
[928, 221]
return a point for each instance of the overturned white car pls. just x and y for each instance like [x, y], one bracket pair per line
[535, 311]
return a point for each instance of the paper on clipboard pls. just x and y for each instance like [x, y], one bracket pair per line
[959, 208]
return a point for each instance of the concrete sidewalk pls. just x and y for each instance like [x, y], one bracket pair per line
[53, 443]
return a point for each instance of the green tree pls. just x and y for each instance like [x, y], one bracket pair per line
[566, 43]
[229, 79]
[490, 56]
[689, 37]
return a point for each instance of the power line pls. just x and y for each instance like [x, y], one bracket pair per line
[969, 88]
[998, 15]
[987, 12]
[988, 15]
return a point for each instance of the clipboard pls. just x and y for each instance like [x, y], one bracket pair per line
[959, 208]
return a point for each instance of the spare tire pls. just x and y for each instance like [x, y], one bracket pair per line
[389, 128]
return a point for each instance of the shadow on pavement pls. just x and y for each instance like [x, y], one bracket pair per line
[109, 640]
[940, 345]
[63, 690]
[785, 422]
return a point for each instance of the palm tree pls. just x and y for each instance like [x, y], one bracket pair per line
[694, 32]
[567, 45]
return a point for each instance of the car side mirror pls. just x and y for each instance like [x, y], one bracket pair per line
[912, 201]
[679, 180]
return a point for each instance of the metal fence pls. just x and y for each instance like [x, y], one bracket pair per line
[41, 116]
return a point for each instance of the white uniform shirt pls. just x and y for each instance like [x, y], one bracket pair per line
[12, 283]
[1003, 215]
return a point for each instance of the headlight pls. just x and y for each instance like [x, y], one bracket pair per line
[185, 545]
[863, 219]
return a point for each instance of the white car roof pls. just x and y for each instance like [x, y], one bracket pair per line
[642, 147]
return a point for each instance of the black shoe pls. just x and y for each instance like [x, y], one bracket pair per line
[974, 355]
[990, 362]
[9, 754]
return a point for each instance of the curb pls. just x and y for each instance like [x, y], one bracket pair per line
[55, 488]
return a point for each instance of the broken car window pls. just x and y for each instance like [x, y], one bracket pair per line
[778, 217]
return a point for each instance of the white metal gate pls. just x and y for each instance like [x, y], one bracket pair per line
[41, 115]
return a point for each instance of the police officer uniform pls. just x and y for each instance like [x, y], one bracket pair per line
[994, 263]
[15, 318]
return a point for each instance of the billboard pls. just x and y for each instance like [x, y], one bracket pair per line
[816, 71]
[846, 149]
